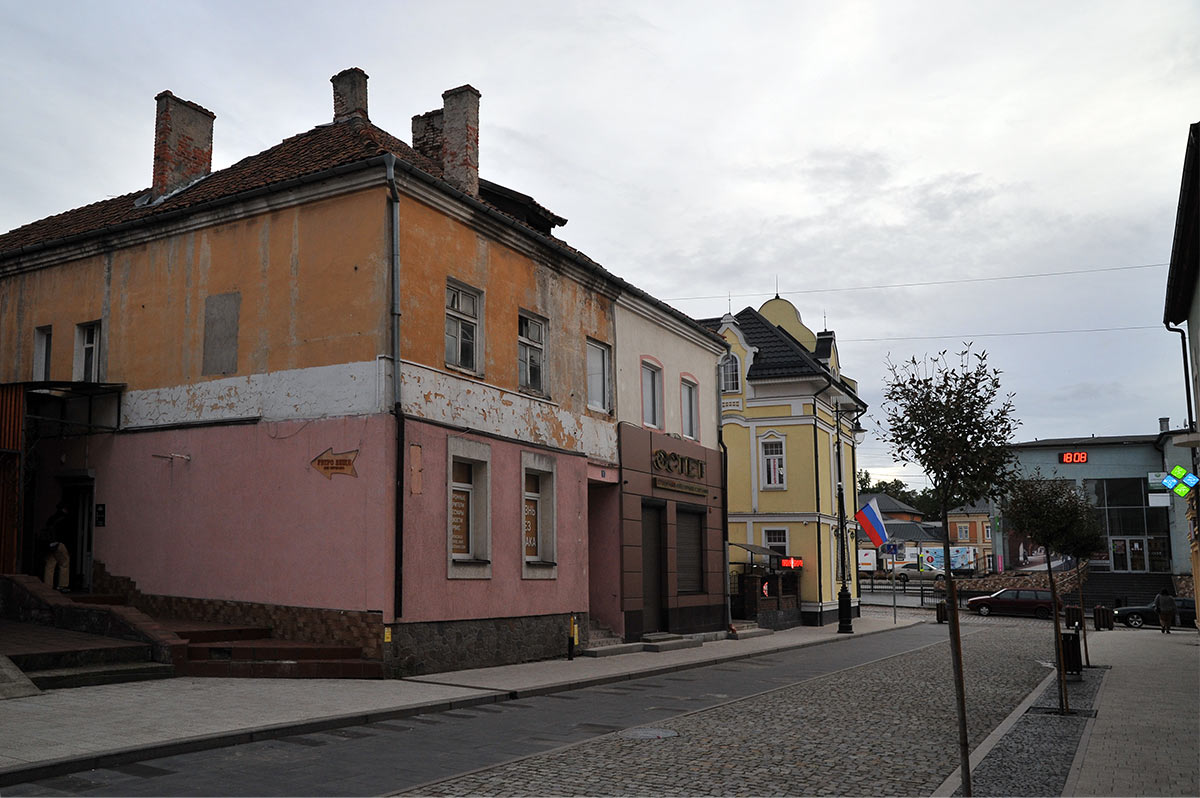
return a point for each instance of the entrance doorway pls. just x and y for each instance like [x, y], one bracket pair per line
[652, 568]
[78, 492]
[1128, 554]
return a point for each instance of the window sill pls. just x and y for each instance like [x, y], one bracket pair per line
[464, 371]
[470, 561]
[541, 564]
[525, 390]
[774, 487]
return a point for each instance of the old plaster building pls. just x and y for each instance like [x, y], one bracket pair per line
[348, 387]
[788, 413]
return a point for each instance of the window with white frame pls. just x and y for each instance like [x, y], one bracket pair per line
[964, 531]
[43, 337]
[531, 343]
[468, 510]
[987, 531]
[774, 475]
[776, 540]
[538, 541]
[730, 372]
[87, 352]
[462, 326]
[599, 381]
[689, 405]
[652, 395]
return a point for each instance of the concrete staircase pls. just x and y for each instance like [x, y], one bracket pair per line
[223, 650]
[54, 659]
[744, 630]
[1120, 589]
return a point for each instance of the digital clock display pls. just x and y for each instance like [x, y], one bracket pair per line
[1072, 457]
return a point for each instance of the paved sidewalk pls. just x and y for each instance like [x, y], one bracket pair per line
[63, 731]
[1141, 742]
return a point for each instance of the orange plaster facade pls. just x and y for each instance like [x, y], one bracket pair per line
[313, 280]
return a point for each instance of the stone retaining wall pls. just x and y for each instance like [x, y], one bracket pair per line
[420, 648]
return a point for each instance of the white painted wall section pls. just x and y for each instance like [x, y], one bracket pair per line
[321, 392]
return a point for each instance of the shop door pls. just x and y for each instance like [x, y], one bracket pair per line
[652, 577]
[1128, 554]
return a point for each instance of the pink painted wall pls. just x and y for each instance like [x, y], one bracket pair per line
[247, 518]
[604, 555]
[429, 594]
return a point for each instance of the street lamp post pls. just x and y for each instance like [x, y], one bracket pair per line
[845, 622]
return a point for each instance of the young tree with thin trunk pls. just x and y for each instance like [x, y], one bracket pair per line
[1055, 514]
[953, 422]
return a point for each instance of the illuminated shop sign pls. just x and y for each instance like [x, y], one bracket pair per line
[1180, 481]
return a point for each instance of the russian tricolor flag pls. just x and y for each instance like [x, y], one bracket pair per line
[872, 523]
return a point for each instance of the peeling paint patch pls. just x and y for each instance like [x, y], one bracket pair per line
[319, 392]
[437, 396]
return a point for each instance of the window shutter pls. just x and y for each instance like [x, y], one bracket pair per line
[689, 551]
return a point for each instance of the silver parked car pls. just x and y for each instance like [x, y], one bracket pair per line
[918, 571]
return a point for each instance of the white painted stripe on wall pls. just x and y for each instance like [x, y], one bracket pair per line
[318, 392]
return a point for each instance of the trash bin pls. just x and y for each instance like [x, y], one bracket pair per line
[1073, 615]
[1072, 656]
[943, 614]
[1102, 617]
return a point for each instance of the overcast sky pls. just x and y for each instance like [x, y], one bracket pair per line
[708, 152]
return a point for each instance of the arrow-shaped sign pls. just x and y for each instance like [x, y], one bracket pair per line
[330, 462]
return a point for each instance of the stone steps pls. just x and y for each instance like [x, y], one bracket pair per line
[102, 673]
[653, 642]
[227, 651]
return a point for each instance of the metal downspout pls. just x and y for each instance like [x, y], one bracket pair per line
[817, 494]
[724, 500]
[394, 234]
[1187, 384]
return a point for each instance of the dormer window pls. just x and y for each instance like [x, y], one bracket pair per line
[730, 370]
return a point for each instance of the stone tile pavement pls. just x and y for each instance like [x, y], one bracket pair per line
[885, 728]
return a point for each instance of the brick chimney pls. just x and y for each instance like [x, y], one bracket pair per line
[450, 136]
[460, 139]
[349, 94]
[427, 135]
[182, 143]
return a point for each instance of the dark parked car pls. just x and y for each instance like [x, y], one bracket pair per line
[1137, 617]
[1013, 601]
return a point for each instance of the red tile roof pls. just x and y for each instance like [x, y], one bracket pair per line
[321, 148]
[324, 147]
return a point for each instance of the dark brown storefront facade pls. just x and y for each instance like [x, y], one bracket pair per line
[672, 542]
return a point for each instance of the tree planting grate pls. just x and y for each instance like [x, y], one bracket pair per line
[1083, 713]
[647, 733]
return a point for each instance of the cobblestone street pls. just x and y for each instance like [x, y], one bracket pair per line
[886, 728]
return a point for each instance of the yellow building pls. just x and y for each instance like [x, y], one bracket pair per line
[783, 402]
